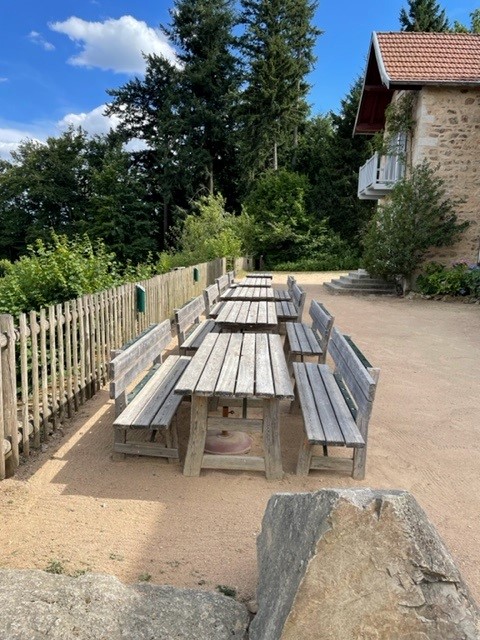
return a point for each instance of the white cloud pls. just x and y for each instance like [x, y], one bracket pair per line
[93, 122]
[37, 38]
[115, 45]
[10, 138]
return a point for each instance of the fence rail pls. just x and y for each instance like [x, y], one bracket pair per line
[54, 360]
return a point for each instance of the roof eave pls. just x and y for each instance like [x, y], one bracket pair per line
[381, 66]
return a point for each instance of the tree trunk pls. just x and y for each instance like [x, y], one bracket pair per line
[275, 156]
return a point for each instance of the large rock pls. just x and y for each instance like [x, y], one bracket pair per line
[35, 605]
[357, 565]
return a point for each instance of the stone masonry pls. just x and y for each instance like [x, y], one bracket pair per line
[447, 134]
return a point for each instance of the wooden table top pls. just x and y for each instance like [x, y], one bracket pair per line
[248, 314]
[259, 275]
[248, 293]
[255, 281]
[238, 365]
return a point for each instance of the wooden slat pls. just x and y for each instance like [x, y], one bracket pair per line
[189, 380]
[281, 376]
[23, 336]
[264, 387]
[44, 372]
[331, 417]
[226, 383]
[235, 424]
[246, 367]
[68, 358]
[52, 330]
[328, 463]
[4, 443]
[313, 426]
[207, 381]
[34, 330]
[241, 463]
[146, 449]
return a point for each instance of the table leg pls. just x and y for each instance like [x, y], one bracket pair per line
[271, 439]
[198, 432]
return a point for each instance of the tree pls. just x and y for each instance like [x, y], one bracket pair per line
[418, 215]
[185, 111]
[278, 49]
[331, 157]
[423, 15]
[44, 188]
[458, 27]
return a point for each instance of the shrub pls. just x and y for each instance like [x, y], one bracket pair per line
[417, 216]
[54, 272]
[458, 280]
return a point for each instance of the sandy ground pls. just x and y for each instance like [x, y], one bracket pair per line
[140, 518]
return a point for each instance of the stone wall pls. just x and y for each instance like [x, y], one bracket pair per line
[448, 135]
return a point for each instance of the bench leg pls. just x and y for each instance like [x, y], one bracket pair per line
[304, 457]
[120, 437]
[359, 462]
[171, 438]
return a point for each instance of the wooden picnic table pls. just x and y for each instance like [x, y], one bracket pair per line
[236, 366]
[247, 315]
[254, 281]
[248, 293]
[259, 275]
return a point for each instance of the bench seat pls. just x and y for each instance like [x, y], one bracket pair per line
[282, 294]
[286, 311]
[153, 402]
[215, 310]
[197, 335]
[302, 340]
[336, 407]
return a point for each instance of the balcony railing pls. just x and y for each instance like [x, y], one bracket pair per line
[378, 176]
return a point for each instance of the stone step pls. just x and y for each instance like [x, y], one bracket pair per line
[363, 282]
[337, 289]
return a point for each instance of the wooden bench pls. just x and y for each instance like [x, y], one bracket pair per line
[225, 281]
[152, 404]
[336, 407]
[212, 303]
[284, 294]
[303, 340]
[190, 330]
[292, 311]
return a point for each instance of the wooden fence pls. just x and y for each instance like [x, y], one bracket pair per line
[53, 360]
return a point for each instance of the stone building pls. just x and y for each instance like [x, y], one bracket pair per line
[440, 75]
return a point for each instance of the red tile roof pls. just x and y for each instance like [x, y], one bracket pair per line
[430, 58]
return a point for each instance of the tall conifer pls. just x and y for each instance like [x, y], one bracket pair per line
[423, 15]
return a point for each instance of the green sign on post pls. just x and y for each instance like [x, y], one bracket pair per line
[141, 298]
[196, 274]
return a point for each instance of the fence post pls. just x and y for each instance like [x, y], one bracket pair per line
[9, 392]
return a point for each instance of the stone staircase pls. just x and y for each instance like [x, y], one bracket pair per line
[359, 282]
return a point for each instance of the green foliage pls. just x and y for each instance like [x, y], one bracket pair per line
[230, 592]
[277, 46]
[54, 272]
[330, 158]
[461, 279]
[458, 27]
[276, 224]
[423, 15]
[418, 215]
[56, 567]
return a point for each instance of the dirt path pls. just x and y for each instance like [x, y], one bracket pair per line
[75, 505]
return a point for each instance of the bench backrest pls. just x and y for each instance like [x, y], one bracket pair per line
[359, 379]
[188, 315]
[322, 323]
[298, 298]
[290, 282]
[223, 282]
[210, 295]
[137, 355]
[231, 277]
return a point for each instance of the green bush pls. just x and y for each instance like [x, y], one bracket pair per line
[458, 280]
[417, 216]
[54, 272]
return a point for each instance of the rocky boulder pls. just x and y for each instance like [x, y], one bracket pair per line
[35, 605]
[357, 565]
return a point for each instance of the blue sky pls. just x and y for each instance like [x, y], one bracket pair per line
[58, 57]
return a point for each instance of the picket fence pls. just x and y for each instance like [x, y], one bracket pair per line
[54, 360]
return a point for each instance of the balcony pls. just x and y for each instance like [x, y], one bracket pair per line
[378, 176]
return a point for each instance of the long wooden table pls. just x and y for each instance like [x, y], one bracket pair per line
[233, 366]
[248, 293]
[255, 281]
[247, 315]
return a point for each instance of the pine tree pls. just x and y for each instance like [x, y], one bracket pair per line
[278, 48]
[185, 111]
[423, 15]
